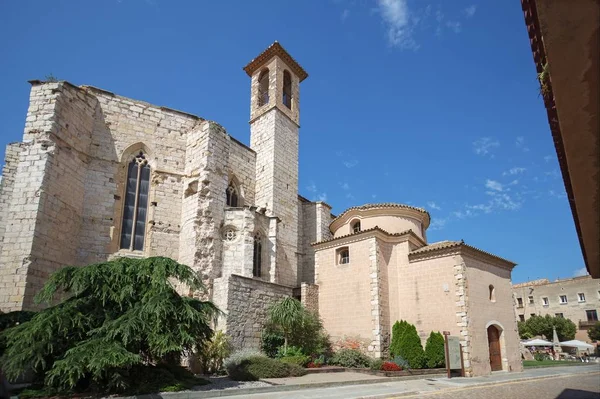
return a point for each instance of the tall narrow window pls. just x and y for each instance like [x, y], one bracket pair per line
[492, 293]
[257, 260]
[263, 88]
[356, 226]
[232, 195]
[287, 89]
[133, 228]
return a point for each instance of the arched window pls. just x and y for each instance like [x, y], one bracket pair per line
[232, 195]
[343, 255]
[287, 89]
[263, 88]
[133, 227]
[257, 259]
[492, 293]
[356, 226]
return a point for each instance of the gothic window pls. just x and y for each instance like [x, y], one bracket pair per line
[287, 89]
[232, 195]
[356, 226]
[257, 259]
[133, 228]
[263, 88]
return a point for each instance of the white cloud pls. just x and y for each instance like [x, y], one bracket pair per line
[486, 208]
[503, 201]
[514, 171]
[322, 197]
[437, 224]
[350, 196]
[454, 26]
[493, 185]
[554, 173]
[484, 145]
[433, 205]
[345, 14]
[396, 17]
[514, 182]
[548, 158]
[345, 186]
[350, 164]
[470, 11]
[580, 272]
[312, 187]
[520, 143]
[559, 195]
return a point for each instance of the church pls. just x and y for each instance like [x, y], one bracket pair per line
[99, 176]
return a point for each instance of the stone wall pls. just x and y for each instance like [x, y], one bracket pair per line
[309, 295]
[247, 305]
[314, 219]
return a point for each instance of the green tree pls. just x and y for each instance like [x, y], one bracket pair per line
[118, 319]
[435, 350]
[410, 348]
[543, 325]
[524, 332]
[397, 330]
[594, 332]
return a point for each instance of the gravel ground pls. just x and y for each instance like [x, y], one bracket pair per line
[220, 383]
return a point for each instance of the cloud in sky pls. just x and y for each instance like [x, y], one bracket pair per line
[345, 14]
[322, 197]
[580, 272]
[494, 185]
[470, 11]
[345, 186]
[548, 158]
[350, 164]
[520, 143]
[454, 26]
[514, 171]
[433, 205]
[396, 18]
[485, 145]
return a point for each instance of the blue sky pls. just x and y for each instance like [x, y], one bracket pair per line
[432, 104]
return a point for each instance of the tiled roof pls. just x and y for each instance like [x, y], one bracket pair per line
[382, 205]
[275, 49]
[376, 228]
[437, 246]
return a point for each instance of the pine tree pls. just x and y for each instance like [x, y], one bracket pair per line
[410, 347]
[397, 330]
[435, 351]
[118, 318]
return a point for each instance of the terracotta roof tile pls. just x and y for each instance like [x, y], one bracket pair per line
[438, 246]
[275, 49]
[376, 228]
[383, 205]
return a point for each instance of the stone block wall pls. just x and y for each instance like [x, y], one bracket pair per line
[314, 219]
[242, 165]
[309, 295]
[247, 305]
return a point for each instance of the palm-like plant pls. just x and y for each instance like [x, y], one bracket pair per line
[287, 314]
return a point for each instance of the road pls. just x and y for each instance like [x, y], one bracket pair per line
[571, 384]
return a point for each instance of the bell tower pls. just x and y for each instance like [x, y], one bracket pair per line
[274, 124]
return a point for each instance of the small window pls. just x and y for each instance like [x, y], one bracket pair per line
[545, 301]
[581, 297]
[257, 259]
[492, 293]
[263, 88]
[563, 299]
[531, 302]
[232, 195]
[343, 256]
[559, 315]
[519, 302]
[521, 317]
[287, 89]
[356, 226]
[592, 315]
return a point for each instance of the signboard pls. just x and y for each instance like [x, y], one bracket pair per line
[453, 361]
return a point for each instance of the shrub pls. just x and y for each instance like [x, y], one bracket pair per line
[403, 364]
[541, 356]
[435, 350]
[376, 364]
[271, 341]
[291, 351]
[397, 330]
[299, 360]
[236, 358]
[350, 358]
[256, 367]
[390, 366]
[410, 347]
[213, 352]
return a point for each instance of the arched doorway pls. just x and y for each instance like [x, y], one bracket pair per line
[493, 334]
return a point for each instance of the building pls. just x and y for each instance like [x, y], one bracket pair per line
[577, 299]
[99, 176]
[443, 286]
[566, 51]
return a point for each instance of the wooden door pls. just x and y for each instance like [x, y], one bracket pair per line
[494, 344]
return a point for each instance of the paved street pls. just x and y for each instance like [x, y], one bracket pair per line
[558, 382]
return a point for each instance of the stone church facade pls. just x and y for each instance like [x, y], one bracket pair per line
[98, 176]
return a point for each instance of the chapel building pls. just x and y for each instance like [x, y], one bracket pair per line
[99, 176]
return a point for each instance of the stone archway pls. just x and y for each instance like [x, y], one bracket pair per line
[495, 350]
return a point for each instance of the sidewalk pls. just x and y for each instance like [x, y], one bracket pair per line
[348, 385]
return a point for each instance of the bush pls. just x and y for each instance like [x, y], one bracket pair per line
[271, 341]
[435, 350]
[213, 352]
[410, 347]
[397, 330]
[256, 367]
[390, 366]
[291, 351]
[376, 364]
[403, 364]
[236, 358]
[299, 360]
[350, 358]
[541, 357]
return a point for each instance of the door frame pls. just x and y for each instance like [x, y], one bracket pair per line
[501, 341]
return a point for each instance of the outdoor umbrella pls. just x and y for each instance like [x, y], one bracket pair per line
[577, 344]
[537, 342]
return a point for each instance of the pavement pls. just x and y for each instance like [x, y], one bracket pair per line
[559, 382]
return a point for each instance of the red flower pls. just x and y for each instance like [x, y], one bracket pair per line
[389, 366]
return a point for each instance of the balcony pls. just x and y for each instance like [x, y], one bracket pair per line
[587, 323]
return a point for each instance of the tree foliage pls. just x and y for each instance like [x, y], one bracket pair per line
[594, 332]
[543, 326]
[397, 330]
[407, 344]
[117, 318]
[435, 350]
